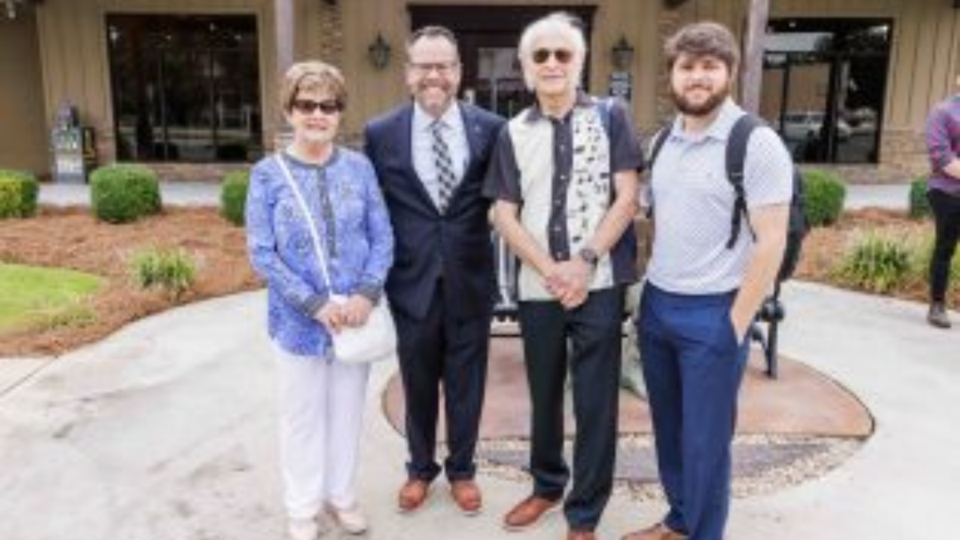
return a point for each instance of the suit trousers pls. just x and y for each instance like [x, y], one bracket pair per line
[592, 332]
[442, 351]
[693, 365]
[321, 418]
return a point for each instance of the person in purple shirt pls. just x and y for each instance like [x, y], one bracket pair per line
[943, 192]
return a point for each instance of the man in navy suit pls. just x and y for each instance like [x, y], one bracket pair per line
[430, 156]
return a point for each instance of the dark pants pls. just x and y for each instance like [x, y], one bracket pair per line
[693, 366]
[594, 331]
[946, 214]
[442, 349]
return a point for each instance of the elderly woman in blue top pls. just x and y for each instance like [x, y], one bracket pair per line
[321, 400]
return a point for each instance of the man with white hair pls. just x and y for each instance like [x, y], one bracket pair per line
[564, 180]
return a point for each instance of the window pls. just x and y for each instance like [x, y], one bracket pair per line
[824, 86]
[185, 88]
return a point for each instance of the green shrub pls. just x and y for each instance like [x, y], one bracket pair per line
[124, 193]
[824, 192]
[172, 270]
[877, 262]
[233, 196]
[9, 198]
[19, 201]
[919, 206]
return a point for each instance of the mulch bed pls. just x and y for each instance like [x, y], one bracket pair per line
[73, 238]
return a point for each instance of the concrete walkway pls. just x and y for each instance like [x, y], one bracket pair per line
[166, 430]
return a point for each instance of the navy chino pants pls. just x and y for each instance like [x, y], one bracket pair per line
[693, 365]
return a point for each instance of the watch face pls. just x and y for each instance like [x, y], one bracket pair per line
[589, 256]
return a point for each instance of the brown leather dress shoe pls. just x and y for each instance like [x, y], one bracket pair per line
[412, 495]
[467, 495]
[528, 513]
[655, 532]
[581, 535]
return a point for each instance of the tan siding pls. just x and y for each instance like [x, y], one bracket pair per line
[23, 135]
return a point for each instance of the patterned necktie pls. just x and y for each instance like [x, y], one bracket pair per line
[446, 178]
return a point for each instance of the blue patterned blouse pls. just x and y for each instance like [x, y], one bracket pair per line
[347, 206]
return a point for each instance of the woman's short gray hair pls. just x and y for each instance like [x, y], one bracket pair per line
[560, 23]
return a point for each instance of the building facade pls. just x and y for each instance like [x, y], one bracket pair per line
[189, 86]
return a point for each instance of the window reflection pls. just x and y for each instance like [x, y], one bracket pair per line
[185, 88]
[824, 86]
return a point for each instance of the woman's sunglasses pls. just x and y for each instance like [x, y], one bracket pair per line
[327, 106]
[563, 56]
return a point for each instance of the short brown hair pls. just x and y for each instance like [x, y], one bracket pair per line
[311, 75]
[703, 39]
[432, 31]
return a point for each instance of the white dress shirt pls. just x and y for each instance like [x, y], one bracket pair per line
[422, 144]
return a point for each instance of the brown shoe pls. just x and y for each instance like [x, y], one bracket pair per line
[467, 495]
[528, 513]
[937, 316]
[581, 535]
[412, 495]
[655, 532]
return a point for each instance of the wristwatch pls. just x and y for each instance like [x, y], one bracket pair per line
[589, 256]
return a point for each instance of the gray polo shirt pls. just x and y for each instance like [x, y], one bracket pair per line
[548, 193]
[693, 201]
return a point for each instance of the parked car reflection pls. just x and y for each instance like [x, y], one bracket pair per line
[807, 125]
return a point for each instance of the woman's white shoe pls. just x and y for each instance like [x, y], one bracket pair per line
[303, 529]
[351, 520]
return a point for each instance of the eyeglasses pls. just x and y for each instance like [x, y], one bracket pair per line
[424, 68]
[563, 56]
[327, 106]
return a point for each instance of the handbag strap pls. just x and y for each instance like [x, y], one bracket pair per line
[311, 225]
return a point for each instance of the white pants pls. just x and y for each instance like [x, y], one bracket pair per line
[321, 416]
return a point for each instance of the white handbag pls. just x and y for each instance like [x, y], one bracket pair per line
[374, 341]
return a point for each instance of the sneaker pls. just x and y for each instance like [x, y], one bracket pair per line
[351, 520]
[937, 316]
[303, 529]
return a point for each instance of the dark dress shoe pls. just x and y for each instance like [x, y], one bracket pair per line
[467, 495]
[412, 495]
[528, 513]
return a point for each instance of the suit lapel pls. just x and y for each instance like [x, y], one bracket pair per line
[474, 134]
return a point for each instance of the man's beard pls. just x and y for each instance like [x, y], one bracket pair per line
[702, 109]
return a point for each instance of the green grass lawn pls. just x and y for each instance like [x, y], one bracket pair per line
[32, 297]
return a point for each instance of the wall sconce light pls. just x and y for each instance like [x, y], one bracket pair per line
[379, 52]
[622, 54]
[11, 6]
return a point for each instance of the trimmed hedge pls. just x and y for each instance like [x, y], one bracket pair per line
[233, 196]
[124, 193]
[19, 191]
[824, 193]
[919, 206]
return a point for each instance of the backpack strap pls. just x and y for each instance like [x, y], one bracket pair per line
[659, 138]
[736, 156]
[603, 106]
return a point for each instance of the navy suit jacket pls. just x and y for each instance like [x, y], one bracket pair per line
[455, 245]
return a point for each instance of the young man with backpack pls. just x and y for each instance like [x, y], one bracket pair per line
[709, 273]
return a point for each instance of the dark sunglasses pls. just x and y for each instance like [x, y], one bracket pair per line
[564, 56]
[327, 106]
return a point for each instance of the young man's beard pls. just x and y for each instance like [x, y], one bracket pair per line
[702, 109]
